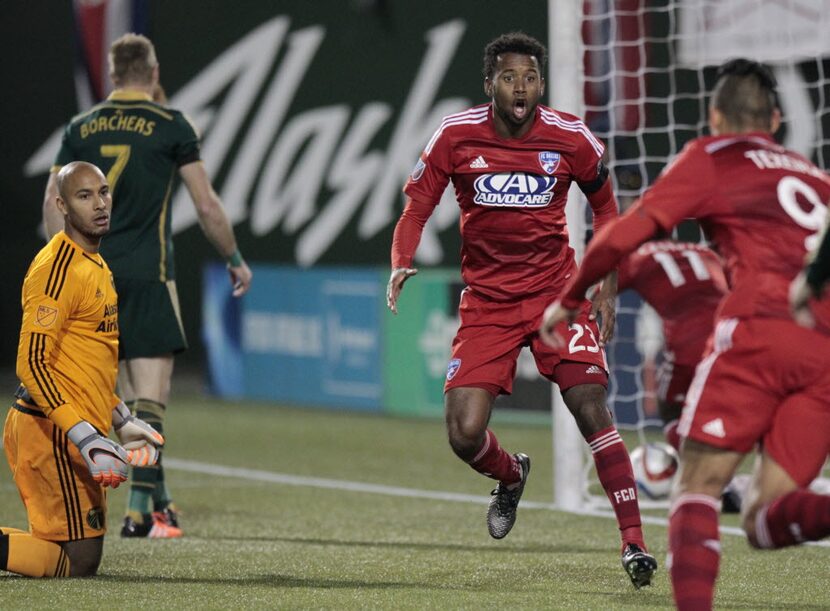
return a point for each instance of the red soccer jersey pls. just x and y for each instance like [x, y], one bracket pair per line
[512, 195]
[684, 283]
[761, 205]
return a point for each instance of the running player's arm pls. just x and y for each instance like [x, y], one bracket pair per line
[49, 298]
[423, 190]
[405, 242]
[593, 179]
[215, 224]
[681, 192]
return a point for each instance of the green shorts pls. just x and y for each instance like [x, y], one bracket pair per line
[149, 319]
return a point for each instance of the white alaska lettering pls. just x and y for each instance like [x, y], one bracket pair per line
[309, 174]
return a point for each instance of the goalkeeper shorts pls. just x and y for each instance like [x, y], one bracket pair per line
[63, 502]
[491, 335]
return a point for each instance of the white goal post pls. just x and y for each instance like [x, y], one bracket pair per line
[564, 70]
[638, 72]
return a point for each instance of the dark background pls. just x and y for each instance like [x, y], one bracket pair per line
[371, 52]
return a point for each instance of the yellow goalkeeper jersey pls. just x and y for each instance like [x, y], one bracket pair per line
[67, 357]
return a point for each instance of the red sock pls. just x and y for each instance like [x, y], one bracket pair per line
[796, 517]
[672, 436]
[694, 551]
[492, 461]
[617, 478]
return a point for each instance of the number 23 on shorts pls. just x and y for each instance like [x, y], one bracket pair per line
[581, 338]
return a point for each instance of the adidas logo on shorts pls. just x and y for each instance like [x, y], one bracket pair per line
[594, 369]
[714, 428]
[478, 163]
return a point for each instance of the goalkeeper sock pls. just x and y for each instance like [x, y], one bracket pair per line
[493, 461]
[144, 479]
[25, 554]
[694, 551]
[617, 479]
[791, 519]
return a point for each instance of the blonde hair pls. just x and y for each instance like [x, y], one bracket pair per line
[132, 59]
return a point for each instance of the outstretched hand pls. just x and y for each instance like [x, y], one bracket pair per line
[604, 303]
[393, 288]
[554, 314]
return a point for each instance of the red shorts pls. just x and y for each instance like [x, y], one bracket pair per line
[766, 380]
[492, 334]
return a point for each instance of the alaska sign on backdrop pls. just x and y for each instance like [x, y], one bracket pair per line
[312, 117]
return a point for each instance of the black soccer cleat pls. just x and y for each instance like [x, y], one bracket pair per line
[639, 565]
[501, 515]
[131, 528]
[155, 526]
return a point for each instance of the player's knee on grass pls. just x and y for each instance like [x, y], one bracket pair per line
[748, 524]
[589, 406]
[84, 556]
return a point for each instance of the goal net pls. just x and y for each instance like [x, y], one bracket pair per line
[645, 68]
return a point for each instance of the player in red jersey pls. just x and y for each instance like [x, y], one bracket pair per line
[512, 162]
[765, 379]
[684, 283]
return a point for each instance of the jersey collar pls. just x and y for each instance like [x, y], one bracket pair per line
[129, 95]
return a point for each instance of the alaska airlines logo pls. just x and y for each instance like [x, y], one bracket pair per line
[514, 189]
[323, 173]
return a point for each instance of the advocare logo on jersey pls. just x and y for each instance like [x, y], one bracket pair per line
[514, 189]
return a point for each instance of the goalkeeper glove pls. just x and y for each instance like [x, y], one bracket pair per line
[107, 461]
[135, 435]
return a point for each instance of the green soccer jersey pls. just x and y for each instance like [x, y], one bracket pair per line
[140, 146]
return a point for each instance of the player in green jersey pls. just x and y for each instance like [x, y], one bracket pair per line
[144, 147]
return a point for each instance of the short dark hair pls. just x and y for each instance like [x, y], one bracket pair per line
[513, 42]
[745, 94]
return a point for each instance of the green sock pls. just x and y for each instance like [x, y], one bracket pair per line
[161, 495]
[144, 480]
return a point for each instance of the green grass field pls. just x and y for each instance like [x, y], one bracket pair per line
[350, 531]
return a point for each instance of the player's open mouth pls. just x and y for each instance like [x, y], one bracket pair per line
[520, 109]
[101, 220]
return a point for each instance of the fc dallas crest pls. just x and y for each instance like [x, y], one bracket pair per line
[549, 161]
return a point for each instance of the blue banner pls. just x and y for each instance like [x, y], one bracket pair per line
[221, 324]
[310, 337]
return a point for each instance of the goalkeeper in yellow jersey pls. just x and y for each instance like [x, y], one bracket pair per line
[55, 435]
